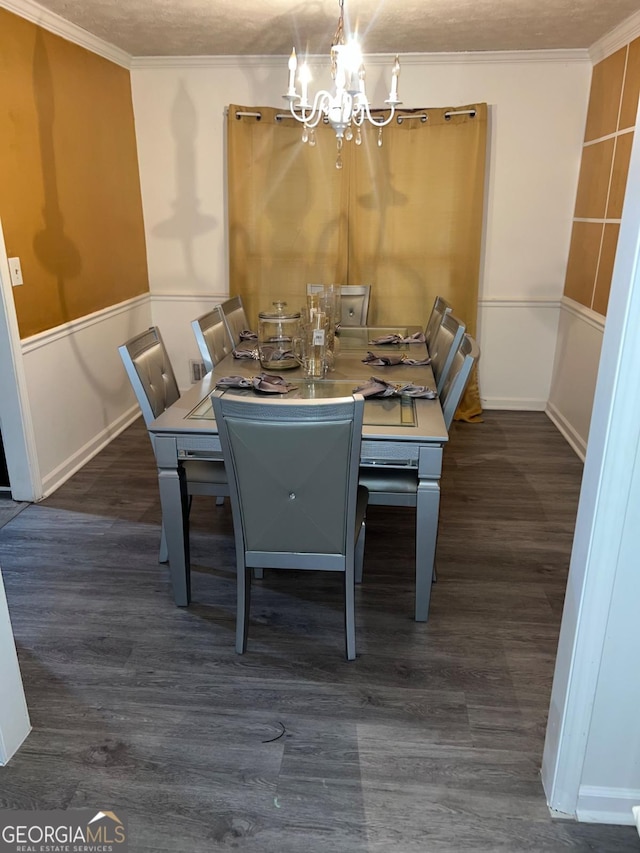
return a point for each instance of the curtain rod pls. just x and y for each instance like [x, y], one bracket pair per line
[422, 116]
[450, 113]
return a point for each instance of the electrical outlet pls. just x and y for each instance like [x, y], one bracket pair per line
[197, 370]
[15, 271]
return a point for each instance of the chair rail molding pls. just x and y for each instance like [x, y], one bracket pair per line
[57, 333]
[587, 314]
[212, 298]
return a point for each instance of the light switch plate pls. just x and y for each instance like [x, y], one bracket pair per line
[15, 271]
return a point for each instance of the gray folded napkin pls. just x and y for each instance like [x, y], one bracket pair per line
[248, 335]
[265, 382]
[380, 360]
[245, 353]
[270, 353]
[416, 338]
[379, 388]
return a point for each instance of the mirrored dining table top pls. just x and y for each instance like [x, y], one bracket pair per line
[385, 411]
[396, 418]
[361, 337]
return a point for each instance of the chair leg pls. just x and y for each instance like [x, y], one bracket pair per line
[258, 574]
[350, 613]
[243, 603]
[164, 548]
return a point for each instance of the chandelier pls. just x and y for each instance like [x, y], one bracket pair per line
[348, 106]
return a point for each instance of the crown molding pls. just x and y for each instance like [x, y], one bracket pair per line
[373, 60]
[620, 36]
[37, 14]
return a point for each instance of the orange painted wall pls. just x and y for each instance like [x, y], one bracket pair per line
[602, 184]
[70, 199]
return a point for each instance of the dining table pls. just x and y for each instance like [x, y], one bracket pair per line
[399, 431]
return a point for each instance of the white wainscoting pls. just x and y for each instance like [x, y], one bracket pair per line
[517, 341]
[173, 313]
[79, 395]
[81, 399]
[575, 371]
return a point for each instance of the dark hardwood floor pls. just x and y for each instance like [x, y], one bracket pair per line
[430, 742]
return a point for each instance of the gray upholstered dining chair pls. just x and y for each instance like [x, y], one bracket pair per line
[465, 356]
[446, 341]
[154, 383]
[399, 486]
[212, 337]
[354, 300]
[439, 309]
[235, 318]
[296, 503]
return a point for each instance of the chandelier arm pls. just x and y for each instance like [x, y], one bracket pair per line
[316, 112]
[382, 123]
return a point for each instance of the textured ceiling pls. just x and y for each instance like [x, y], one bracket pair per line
[262, 27]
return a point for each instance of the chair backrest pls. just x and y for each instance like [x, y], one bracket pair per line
[445, 343]
[440, 308]
[354, 300]
[150, 373]
[465, 356]
[212, 337]
[293, 474]
[235, 318]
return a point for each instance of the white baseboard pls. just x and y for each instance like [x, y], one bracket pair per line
[75, 462]
[564, 427]
[607, 805]
[516, 404]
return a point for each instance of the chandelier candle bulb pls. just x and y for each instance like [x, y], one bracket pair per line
[293, 64]
[304, 77]
[393, 94]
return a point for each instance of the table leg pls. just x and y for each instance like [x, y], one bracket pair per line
[427, 508]
[175, 516]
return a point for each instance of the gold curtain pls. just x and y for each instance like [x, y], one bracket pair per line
[405, 217]
[287, 210]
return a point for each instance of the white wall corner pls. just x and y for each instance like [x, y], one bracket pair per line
[581, 766]
[14, 716]
[15, 406]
